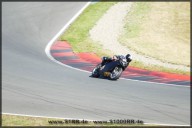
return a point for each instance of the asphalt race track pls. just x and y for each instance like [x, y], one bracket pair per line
[32, 84]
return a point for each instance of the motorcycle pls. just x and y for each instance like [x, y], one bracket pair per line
[111, 70]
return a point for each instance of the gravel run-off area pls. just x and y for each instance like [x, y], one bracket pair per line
[110, 26]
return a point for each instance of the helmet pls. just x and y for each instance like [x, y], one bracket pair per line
[129, 58]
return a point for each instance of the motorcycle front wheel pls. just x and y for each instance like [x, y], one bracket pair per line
[95, 72]
[116, 73]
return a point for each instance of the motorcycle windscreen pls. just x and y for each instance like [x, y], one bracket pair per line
[109, 66]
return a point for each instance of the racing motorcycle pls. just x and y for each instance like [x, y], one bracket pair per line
[112, 69]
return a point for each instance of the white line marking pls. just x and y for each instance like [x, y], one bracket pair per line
[84, 119]
[158, 83]
[48, 47]
[47, 51]
[44, 116]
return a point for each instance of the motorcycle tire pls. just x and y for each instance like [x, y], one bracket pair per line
[116, 73]
[95, 72]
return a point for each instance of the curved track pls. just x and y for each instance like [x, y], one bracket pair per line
[32, 84]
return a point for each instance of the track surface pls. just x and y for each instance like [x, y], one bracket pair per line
[32, 84]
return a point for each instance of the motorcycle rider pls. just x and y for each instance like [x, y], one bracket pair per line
[128, 58]
[103, 71]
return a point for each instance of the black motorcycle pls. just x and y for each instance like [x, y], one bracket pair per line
[112, 69]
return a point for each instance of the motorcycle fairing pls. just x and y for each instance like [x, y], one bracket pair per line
[109, 66]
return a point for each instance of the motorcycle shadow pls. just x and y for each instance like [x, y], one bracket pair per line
[106, 78]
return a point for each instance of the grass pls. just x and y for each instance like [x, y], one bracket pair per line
[78, 36]
[133, 28]
[78, 33]
[135, 31]
[12, 120]
[158, 68]
[160, 30]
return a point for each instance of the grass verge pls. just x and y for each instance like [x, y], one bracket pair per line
[78, 33]
[158, 68]
[160, 30]
[12, 120]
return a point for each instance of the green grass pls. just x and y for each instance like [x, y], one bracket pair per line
[160, 30]
[133, 28]
[157, 68]
[78, 34]
[12, 120]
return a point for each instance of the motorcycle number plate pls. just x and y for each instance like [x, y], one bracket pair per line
[106, 74]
